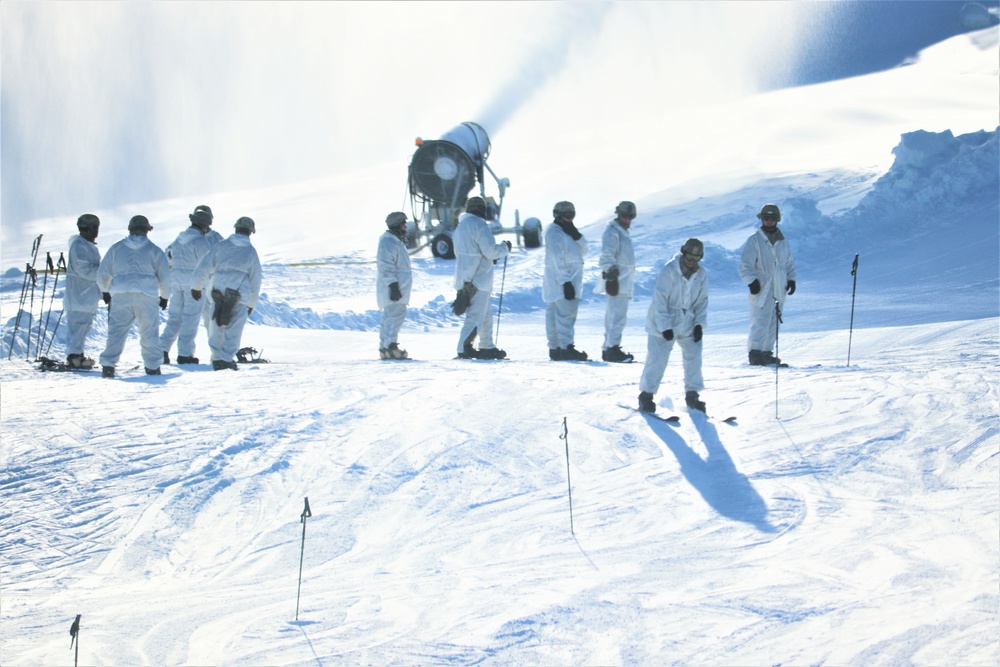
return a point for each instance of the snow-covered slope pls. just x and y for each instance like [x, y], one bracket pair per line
[851, 516]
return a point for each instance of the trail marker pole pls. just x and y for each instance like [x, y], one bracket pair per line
[74, 638]
[306, 513]
[850, 337]
[569, 485]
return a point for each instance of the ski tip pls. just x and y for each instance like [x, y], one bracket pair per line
[673, 419]
[729, 420]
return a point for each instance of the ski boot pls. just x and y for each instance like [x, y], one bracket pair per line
[153, 371]
[692, 400]
[107, 371]
[187, 360]
[394, 352]
[468, 352]
[166, 357]
[570, 353]
[614, 354]
[492, 353]
[79, 361]
[646, 402]
[555, 354]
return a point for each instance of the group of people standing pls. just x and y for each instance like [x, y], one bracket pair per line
[677, 312]
[136, 279]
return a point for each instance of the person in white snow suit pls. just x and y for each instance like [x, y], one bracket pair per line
[214, 238]
[766, 266]
[134, 278]
[185, 313]
[81, 297]
[562, 284]
[476, 251]
[392, 285]
[677, 313]
[617, 278]
[232, 268]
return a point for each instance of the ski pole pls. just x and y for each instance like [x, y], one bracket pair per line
[306, 513]
[777, 353]
[850, 337]
[41, 304]
[20, 308]
[74, 638]
[60, 266]
[569, 485]
[503, 278]
[54, 268]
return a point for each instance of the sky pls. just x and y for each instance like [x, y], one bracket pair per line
[108, 104]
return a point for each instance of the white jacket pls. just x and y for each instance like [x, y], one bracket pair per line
[393, 265]
[232, 264]
[563, 263]
[769, 263]
[678, 303]
[475, 250]
[616, 250]
[184, 254]
[81, 276]
[134, 264]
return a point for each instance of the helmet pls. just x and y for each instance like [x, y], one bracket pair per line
[245, 224]
[88, 221]
[206, 209]
[625, 209]
[476, 206]
[139, 223]
[769, 211]
[395, 220]
[564, 208]
[693, 247]
[201, 218]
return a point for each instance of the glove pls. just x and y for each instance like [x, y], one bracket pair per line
[509, 246]
[249, 311]
[196, 294]
[697, 333]
[668, 334]
[163, 303]
[394, 293]
[612, 273]
[790, 287]
[568, 292]
[463, 298]
[107, 297]
[611, 287]
[755, 286]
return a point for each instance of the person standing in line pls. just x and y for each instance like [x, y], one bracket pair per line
[214, 238]
[233, 268]
[476, 251]
[678, 312]
[133, 273]
[617, 278]
[392, 285]
[565, 248]
[81, 297]
[184, 312]
[766, 266]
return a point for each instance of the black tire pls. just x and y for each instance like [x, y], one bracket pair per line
[443, 247]
[532, 233]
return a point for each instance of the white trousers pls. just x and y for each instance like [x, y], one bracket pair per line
[78, 323]
[183, 316]
[560, 323]
[126, 308]
[657, 355]
[763, 328]
[615, 318]
[393, 316]
[478, 318]
[224, 342]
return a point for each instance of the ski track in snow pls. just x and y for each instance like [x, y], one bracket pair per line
[445, 539]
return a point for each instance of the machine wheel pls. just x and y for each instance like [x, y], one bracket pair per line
[532, 233]
[443, 247]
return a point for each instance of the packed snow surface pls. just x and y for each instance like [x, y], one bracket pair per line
[468, 512]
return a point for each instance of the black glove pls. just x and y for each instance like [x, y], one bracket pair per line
[612, 273]
[568, 292]
[755, 286]
[249, 311]
[509, 246]
[611, 287]
[463, 298]
[790, 287]
[697, 333]
[107, 297]
[668, 334]
[196, 294]
[163, 303]
[394, 293]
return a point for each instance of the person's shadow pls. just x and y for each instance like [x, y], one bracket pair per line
[727, 490]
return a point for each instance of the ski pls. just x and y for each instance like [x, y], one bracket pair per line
[51, 365]
[672, 419]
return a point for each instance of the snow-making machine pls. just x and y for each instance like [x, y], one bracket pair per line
[443, 173]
